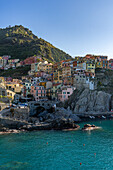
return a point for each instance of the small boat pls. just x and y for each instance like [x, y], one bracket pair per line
[90, 117]
[103, 117]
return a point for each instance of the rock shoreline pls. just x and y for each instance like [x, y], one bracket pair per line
[18, 120]
[21, 121]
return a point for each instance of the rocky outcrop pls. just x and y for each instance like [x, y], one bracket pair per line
[17, 113]
[11, 124]
[60, 124]
[88, 100]
[90, 127]
[19, 119]
[60, 114]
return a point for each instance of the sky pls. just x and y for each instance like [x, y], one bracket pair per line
[78, 27]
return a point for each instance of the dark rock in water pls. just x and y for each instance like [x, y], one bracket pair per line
[93, 126]
[60, 124]
[87, 125]
[59, 119]
[90, 127]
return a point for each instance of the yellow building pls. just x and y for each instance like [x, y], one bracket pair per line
[2, 79]
[48, 67]
[42, 84]
[57, 76]
[66, 71]
[10, 94]
[99, 64]
[90, 66]
[15, 87]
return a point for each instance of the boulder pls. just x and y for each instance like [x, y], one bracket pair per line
[63, 123]
[90, 127]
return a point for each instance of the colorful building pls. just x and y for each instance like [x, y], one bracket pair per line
[110, 64]
[65, 92]
[57, 76]
[90, 66]
[38, 92]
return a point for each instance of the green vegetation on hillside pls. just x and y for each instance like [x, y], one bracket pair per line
[15, 73]
[20, 42]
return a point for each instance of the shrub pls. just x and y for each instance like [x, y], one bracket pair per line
[99, 83]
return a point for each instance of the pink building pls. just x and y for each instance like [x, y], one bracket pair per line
[9, 79]
[38, 92]
[41, 74]
[110, 64]
[65, 92]
[65, 64]
[29, 60]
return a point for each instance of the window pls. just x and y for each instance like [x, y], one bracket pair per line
[64, 92]
[64, 96]
[68, 92]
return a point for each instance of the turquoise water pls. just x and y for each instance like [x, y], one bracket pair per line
[57, 150]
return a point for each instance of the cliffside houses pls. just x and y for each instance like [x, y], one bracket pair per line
[38, 92]
[53, 81]
[65, 92]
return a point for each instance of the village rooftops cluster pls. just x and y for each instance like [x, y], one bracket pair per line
[52, 81]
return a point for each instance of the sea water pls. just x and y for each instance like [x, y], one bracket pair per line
[59, 150]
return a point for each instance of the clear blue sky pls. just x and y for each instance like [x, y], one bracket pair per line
[76, 26]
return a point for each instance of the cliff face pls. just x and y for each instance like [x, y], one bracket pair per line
[87, 101]
[104, 80]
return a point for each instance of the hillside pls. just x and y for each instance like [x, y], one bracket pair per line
[20, 42]
[15, 73]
